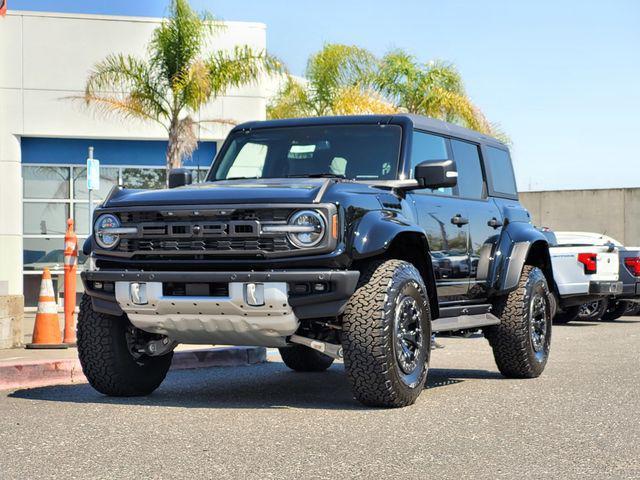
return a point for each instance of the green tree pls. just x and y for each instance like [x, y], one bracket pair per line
[346, 80]
[434, 89]
[338, 81]
[177, 79]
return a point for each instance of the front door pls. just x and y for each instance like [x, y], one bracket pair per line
[445, 221]
[446, 225]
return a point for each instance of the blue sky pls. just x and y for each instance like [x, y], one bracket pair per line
[561, 78]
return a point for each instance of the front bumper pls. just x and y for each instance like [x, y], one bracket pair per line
[205, 319]
[605, 288]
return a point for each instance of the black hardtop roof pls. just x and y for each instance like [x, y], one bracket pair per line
[420, 122]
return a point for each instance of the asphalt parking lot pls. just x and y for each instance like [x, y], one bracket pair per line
[581, 419]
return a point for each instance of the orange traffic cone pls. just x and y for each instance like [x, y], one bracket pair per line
[46, 331]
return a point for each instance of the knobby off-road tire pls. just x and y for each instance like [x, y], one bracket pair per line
[305, 359]
[567, 315]
[522, 340]
[615, 309]
[106, 359]
[387, 335]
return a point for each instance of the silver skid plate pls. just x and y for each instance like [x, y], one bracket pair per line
[231, 320]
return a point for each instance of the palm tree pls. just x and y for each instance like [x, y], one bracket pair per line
[337, 82]
[177, 79]
[345, 80]
[434, 89]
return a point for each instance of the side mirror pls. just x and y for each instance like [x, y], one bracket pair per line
[436, 174]
[179, 177]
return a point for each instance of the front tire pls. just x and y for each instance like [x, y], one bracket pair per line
[386, 335]
[304, 359]
[106, 357]
[522, 340]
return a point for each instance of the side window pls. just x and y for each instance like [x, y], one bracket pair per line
[429, 147]
[500, 171]
[470, 182]
[249, 161]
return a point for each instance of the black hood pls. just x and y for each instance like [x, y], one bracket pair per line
[278, 190]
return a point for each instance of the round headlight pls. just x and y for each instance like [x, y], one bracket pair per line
[313, 228]
[106, 240]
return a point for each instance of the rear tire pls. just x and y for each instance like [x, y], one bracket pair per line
[522, 340]
[615, 309]
[593, 311]
[386, 335]
[634, 309]
[304, 359]
[566, 315]
[106, 358]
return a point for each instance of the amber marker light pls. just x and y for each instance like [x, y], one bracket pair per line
[334, 226]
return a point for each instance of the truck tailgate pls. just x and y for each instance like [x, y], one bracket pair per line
[569, 273]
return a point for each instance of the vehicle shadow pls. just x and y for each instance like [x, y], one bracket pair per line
[267, 386]
[595, 323]
[581, 323]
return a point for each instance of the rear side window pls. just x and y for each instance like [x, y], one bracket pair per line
[470, 181]
[501, 171]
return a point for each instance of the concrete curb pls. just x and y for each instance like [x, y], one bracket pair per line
[41, 373]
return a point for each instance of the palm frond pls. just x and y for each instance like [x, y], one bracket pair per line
[356, 101]
[127, 74]
[179, 39]
[292, 101]
[457, 108]
[444, 75]
[193, 86]
[242, 66]
[337, 66]
[122, 105]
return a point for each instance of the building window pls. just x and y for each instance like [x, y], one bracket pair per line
[52, 194]
[45, 182]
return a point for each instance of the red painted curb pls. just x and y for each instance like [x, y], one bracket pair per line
[41, 373]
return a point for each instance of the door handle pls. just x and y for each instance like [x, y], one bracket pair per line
[494, 223]
[459, 220]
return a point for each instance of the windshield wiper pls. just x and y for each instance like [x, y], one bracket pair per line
[317, 175]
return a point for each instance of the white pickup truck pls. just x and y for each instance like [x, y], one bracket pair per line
[585, 268]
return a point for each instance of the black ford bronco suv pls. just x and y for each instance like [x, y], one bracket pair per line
[349, 238]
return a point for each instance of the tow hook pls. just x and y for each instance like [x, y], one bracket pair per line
[156, 348]
[329, 349]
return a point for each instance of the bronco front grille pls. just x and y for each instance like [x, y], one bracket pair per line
[204, 232]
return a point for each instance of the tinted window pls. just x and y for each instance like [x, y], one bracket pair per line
[359, 152]
[470, 183]
[500, 170]
[429, 147]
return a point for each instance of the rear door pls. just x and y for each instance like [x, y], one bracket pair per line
[485, 221]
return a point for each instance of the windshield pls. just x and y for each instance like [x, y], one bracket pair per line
[359, 152]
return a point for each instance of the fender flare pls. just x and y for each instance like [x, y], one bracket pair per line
[517, 242]
[376, 233]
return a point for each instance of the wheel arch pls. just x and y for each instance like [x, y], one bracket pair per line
[411, 246]
[520, 244]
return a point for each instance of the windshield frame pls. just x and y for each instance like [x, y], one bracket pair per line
[405, 124]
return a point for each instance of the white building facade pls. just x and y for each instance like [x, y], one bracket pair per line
[45, 134]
